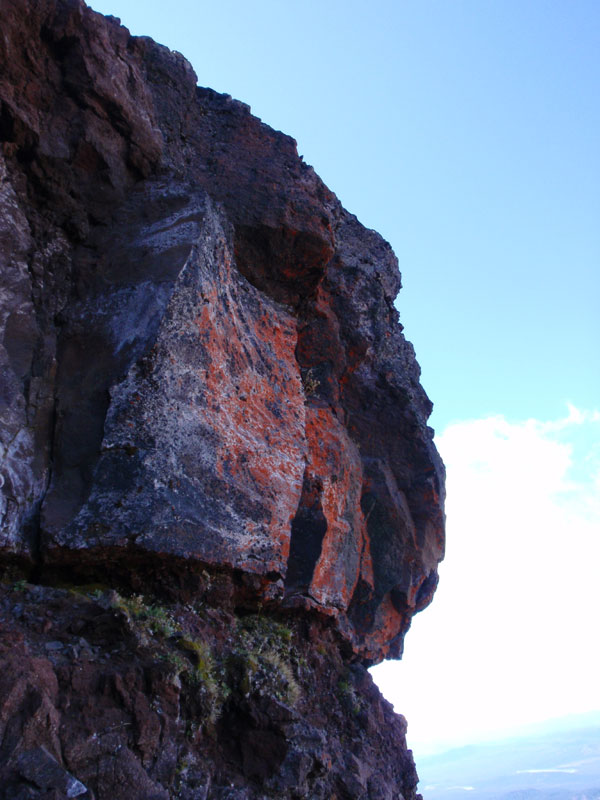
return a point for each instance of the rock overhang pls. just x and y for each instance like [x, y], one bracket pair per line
[214, 372]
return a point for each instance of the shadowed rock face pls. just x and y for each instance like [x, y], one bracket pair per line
[202, 367]
[207, 404]
[106, 705]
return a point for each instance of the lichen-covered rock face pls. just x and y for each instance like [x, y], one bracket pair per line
[203, 370]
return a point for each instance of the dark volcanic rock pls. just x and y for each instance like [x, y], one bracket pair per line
[203, 374]
[144, 701]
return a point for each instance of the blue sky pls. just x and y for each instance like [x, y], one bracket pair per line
[467, 133]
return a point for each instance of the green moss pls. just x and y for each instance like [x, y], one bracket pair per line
[264, 658]
[285, 686]
[259, 656]
[204, 665]
[152, 619]
[348, 696]
[203, 677]
[176, 663]
[264, 632]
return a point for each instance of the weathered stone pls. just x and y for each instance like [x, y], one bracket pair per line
[203, 448]
[229, 706]
[40, 768]
[225, 384]
[205, 392]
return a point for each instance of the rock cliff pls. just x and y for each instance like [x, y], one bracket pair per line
[220, 500]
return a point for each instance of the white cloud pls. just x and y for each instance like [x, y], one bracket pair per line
[511, 637]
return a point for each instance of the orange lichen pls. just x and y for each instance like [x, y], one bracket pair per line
[334, 458]
[255, 402]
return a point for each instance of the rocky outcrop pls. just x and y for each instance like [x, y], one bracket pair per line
[107, 697]
[204, 380]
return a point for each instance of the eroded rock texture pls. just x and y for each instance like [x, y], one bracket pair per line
[203, 373]
[119, 700]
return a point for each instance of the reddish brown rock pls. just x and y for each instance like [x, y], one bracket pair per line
[137, 701]
[203, 373]
[224, 383]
